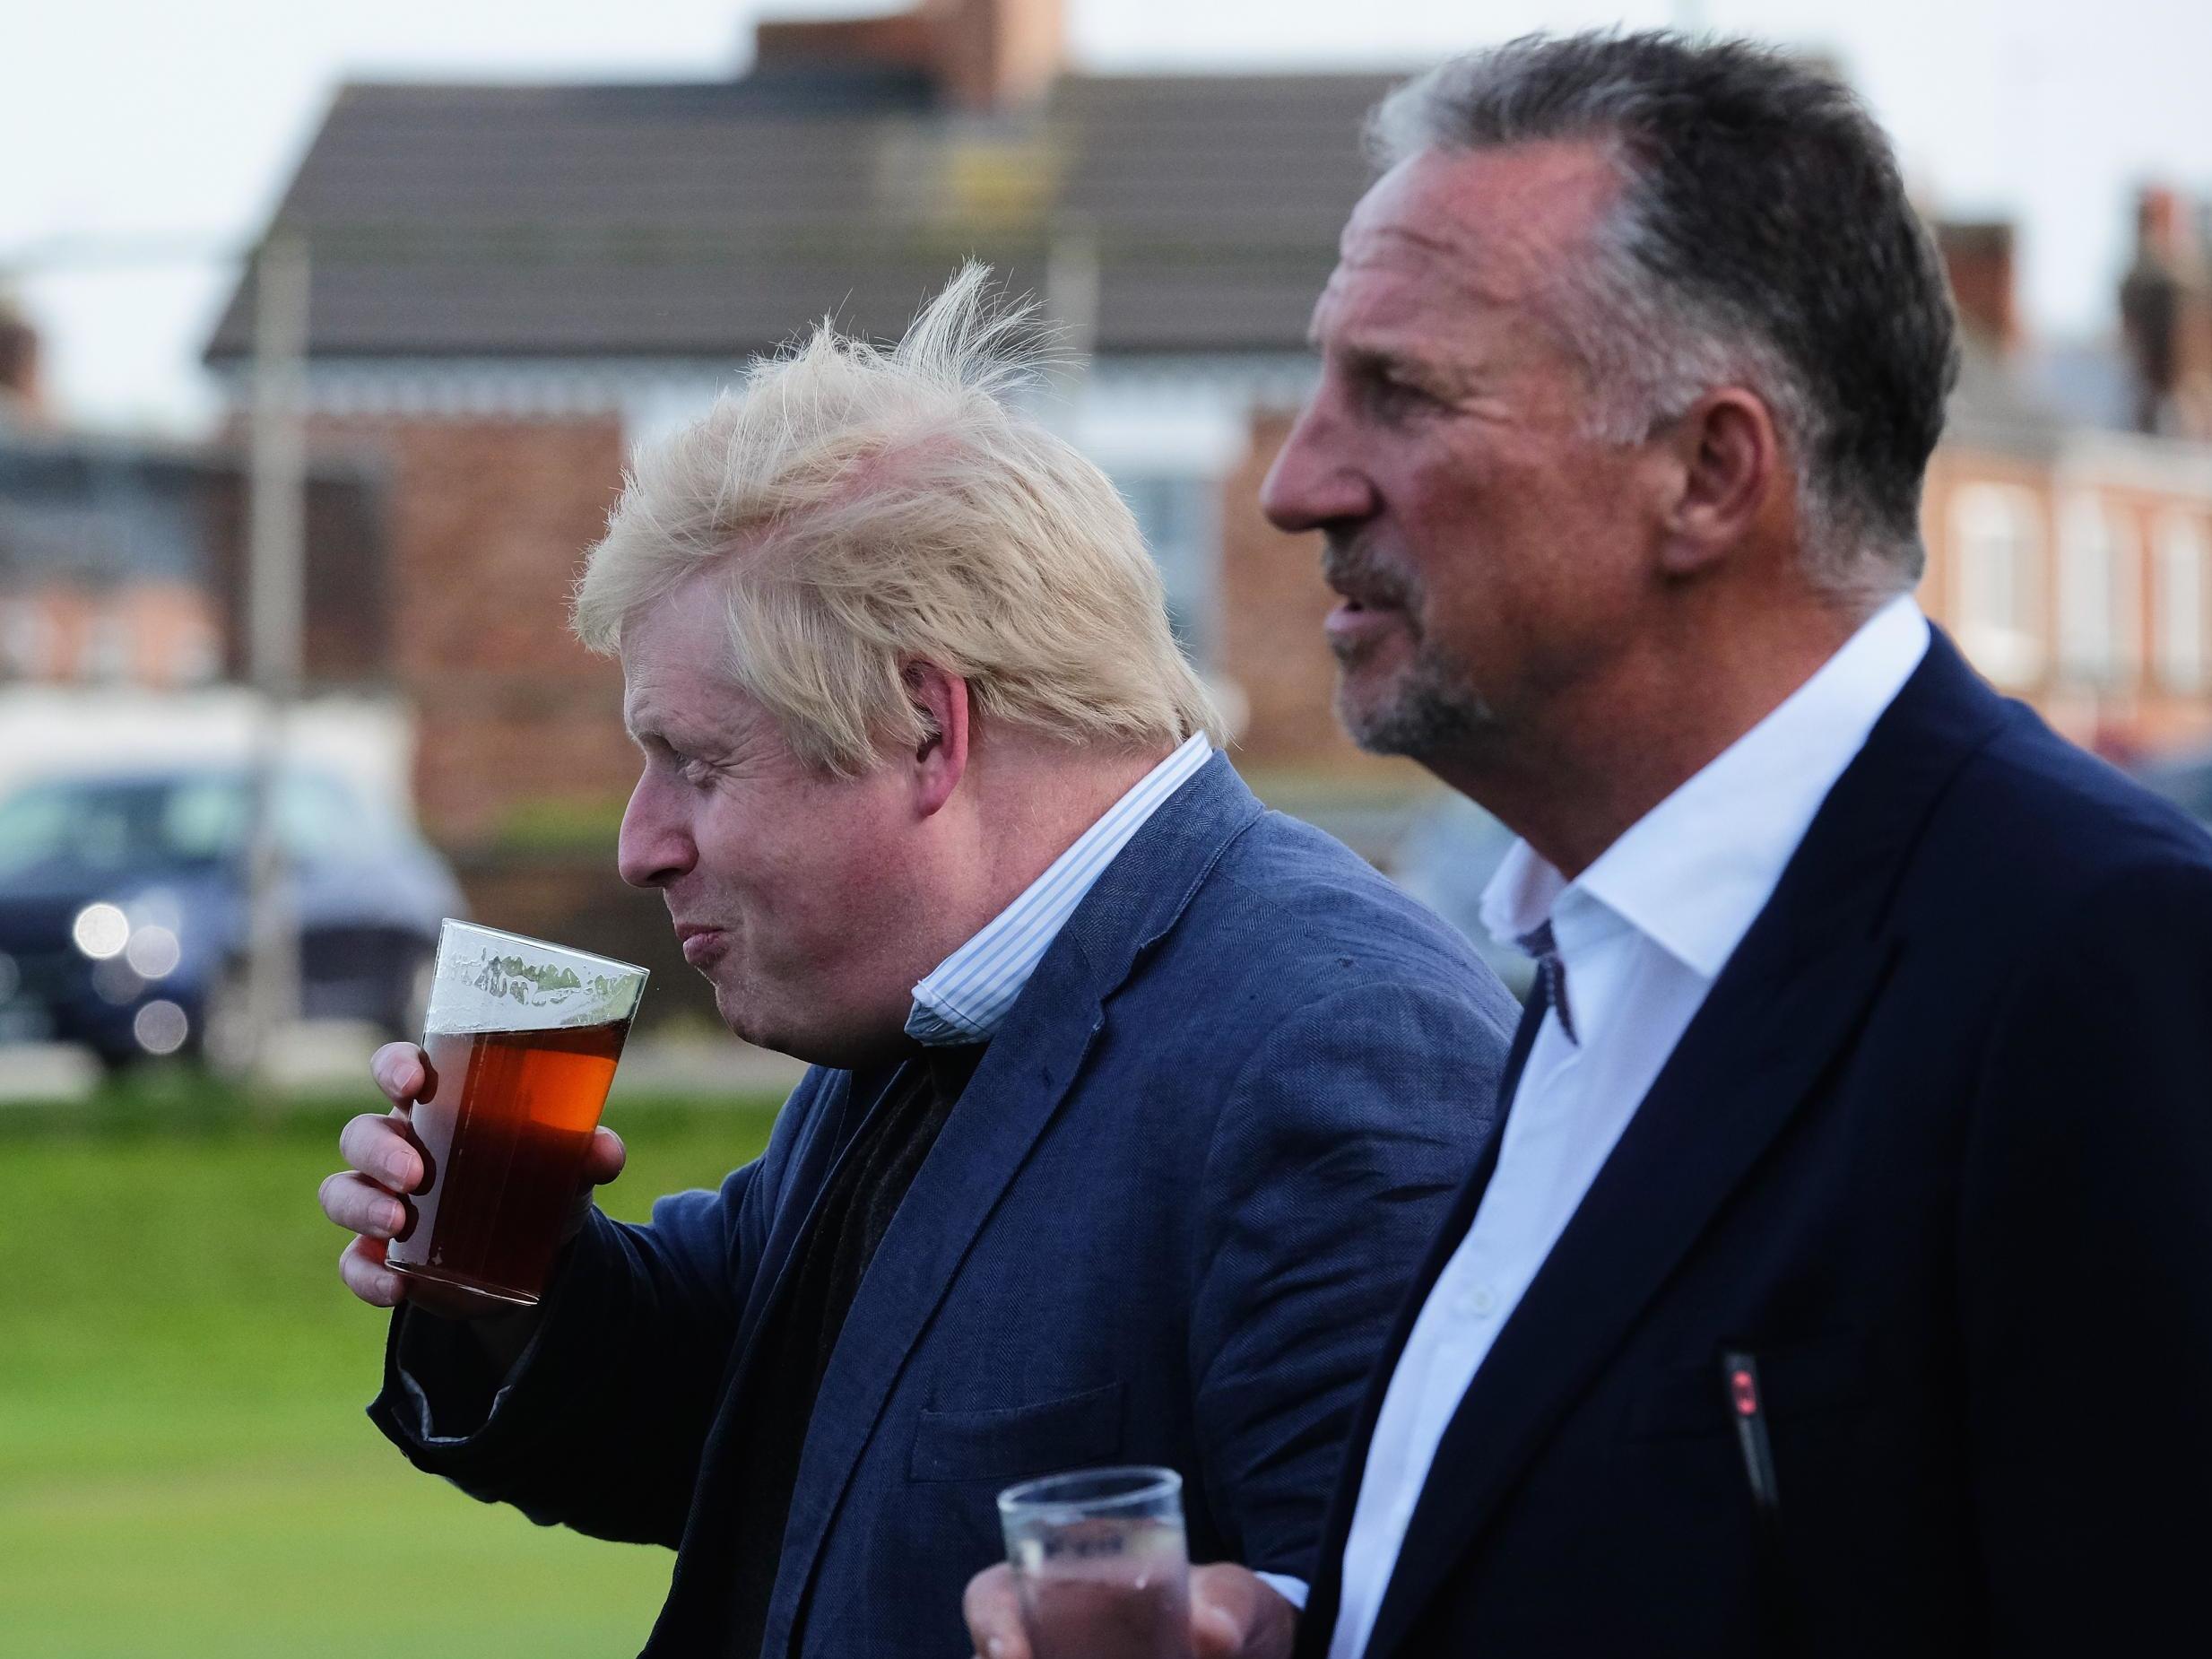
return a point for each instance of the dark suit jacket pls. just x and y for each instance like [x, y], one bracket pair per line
[1169, 1222]
[1938, 1152]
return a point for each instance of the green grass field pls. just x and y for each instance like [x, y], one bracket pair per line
[184, 1467]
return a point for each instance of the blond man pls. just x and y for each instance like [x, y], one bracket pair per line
[1131, 1101]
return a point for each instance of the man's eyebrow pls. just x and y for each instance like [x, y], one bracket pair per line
[1370, 358]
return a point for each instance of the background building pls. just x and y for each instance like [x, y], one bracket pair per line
[513, 282]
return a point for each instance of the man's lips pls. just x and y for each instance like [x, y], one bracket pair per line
[700, 944]
[1357, 622]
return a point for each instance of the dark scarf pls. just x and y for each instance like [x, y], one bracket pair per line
[800, 1333]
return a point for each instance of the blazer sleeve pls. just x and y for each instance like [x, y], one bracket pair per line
[601, 1424]
[1342, 1142]
[2086, 1252]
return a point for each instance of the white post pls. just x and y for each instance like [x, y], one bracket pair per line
[275, 545]
[1071, 303]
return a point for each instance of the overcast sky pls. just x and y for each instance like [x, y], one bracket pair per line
[167, 129]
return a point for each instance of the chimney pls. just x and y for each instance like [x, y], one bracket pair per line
[997, 54]
[20, 399]
[982, 55]
[1977, 258]
[2166, 314]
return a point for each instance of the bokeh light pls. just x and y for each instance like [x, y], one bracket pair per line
[160, 1027]
[153, 952]
[101, 930]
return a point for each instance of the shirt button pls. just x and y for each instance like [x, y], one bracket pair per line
[1479, 1301]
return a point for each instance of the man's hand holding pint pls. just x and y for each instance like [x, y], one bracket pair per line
[1235, 1615]
[386, 1166]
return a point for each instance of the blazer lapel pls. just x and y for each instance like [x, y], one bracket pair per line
[1024, 1078]
[1779, 1019]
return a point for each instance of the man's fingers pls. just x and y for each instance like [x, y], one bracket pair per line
[360, 1205]
[379, 1148]
[604, 1158]
[993, 1614]
[362, 1265]
[1236, 1614]
[401, 1070]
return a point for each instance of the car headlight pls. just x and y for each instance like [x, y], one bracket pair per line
[101, 929]
[144, 935]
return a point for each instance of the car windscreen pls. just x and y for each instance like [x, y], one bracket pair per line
[108, 824]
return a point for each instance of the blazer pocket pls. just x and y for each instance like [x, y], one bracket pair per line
[1013, 1443]
[1822, 1378]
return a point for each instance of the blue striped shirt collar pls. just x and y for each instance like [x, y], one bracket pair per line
[966, 998]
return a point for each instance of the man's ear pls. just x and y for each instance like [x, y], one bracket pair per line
[939, 761]
[1727, 463]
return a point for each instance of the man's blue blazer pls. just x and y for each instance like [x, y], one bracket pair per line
[1169, 1222]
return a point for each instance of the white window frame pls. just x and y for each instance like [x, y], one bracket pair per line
[1997, 573]
[2099, 606]
[27, 641]
[2184, 578]
[108, 650]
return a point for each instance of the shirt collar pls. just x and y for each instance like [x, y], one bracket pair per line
[1694, 872]
[966, 997]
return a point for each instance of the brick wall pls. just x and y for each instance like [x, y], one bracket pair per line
[488, 520]
[2138, 715]
[154, 633]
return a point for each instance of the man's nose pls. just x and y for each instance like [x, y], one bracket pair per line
[655, 847]
[1315, 480]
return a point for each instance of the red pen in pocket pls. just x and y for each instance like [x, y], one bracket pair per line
[1747, 1403]
[1747, 1407]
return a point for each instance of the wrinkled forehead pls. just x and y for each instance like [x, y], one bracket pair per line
[1444, 232]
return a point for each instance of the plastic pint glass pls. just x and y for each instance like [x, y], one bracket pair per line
[1099, 1564]
[522, 1037]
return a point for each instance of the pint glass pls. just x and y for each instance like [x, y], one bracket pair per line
[522, 1037]
[1099, 1564]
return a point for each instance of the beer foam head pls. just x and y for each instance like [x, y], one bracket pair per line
[492, 981]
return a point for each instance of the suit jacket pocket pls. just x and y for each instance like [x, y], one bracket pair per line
[1013, 1443]
[1820, 1377]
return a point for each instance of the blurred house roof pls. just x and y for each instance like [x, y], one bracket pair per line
[1997, 406]
[717, 220]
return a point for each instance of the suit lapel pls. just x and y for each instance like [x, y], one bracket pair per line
[1778, 1022]
[1024, 1078]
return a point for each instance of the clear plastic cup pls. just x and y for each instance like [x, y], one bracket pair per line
[1100, 1563]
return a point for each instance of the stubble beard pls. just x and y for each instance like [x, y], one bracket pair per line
[1430, 712]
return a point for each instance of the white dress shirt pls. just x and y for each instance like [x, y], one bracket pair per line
[1641, 936]
[966, 997]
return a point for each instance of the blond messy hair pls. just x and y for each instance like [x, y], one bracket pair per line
[870, 508]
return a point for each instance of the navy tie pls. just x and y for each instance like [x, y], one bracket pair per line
[1550, 973]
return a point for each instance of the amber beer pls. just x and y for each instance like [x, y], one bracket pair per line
[523, 1038]
[504, 1133]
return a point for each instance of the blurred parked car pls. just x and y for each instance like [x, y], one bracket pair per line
[1448, 855]
[122, 909]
